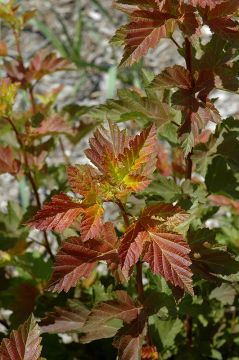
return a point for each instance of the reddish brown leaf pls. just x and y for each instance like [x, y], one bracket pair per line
[70, 319]
[153, 237]
[204, 3]
[37, 161]
[83, 181]
[92, 223]
[58, 214]
[150, 21]
[167, 254]
[76, 259]
[122, 308]
[23, 344]
[105, 146]
[14, 71]
[7, 162]
[42, 64]
[25, 301]
[127, 165]
[52, 125]
[208, 258]
[129, 339]
[221, 200]
[219, 19]
[145, 31]
[176, 76]
[196, 113]
[163, 161]
[224, 8]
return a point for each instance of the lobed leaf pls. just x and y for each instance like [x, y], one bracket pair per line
[138, 162]
[150, 21]
[83, 181]
[23, 344]
[70, 319]
[77, 258]
[8, 164]
[91, 223]
[131, 105]
[204, 3]
[55, 124]
[129, 339]
[176, 76]
[101, 317]
[42, 64]
[58, 214]
[153, 237]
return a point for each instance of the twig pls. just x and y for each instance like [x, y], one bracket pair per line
[31, 180]
[175, 42]
[188, 173]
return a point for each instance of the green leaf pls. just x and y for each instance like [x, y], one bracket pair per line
[221, 179]
[163, 187]
[167, 330]
[132, 106]
[225, 294]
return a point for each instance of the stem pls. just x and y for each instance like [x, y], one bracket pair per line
[189, 327]
[124, 213]
[175, 42]
[19, 52]
[139, 280]
[188, 173]
[63, 151]
[28, 171]
[31, 180]
[189, 166]
[188, 57]
[32, 99]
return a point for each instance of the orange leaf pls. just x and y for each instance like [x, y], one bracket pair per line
[91, 223]
[3, 48]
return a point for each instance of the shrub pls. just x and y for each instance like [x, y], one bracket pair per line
[157, 202]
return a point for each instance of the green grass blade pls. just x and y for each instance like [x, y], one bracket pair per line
[65, 31]
[52, 38]
[111, 82]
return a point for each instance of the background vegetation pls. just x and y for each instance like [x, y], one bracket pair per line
[60, 81]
